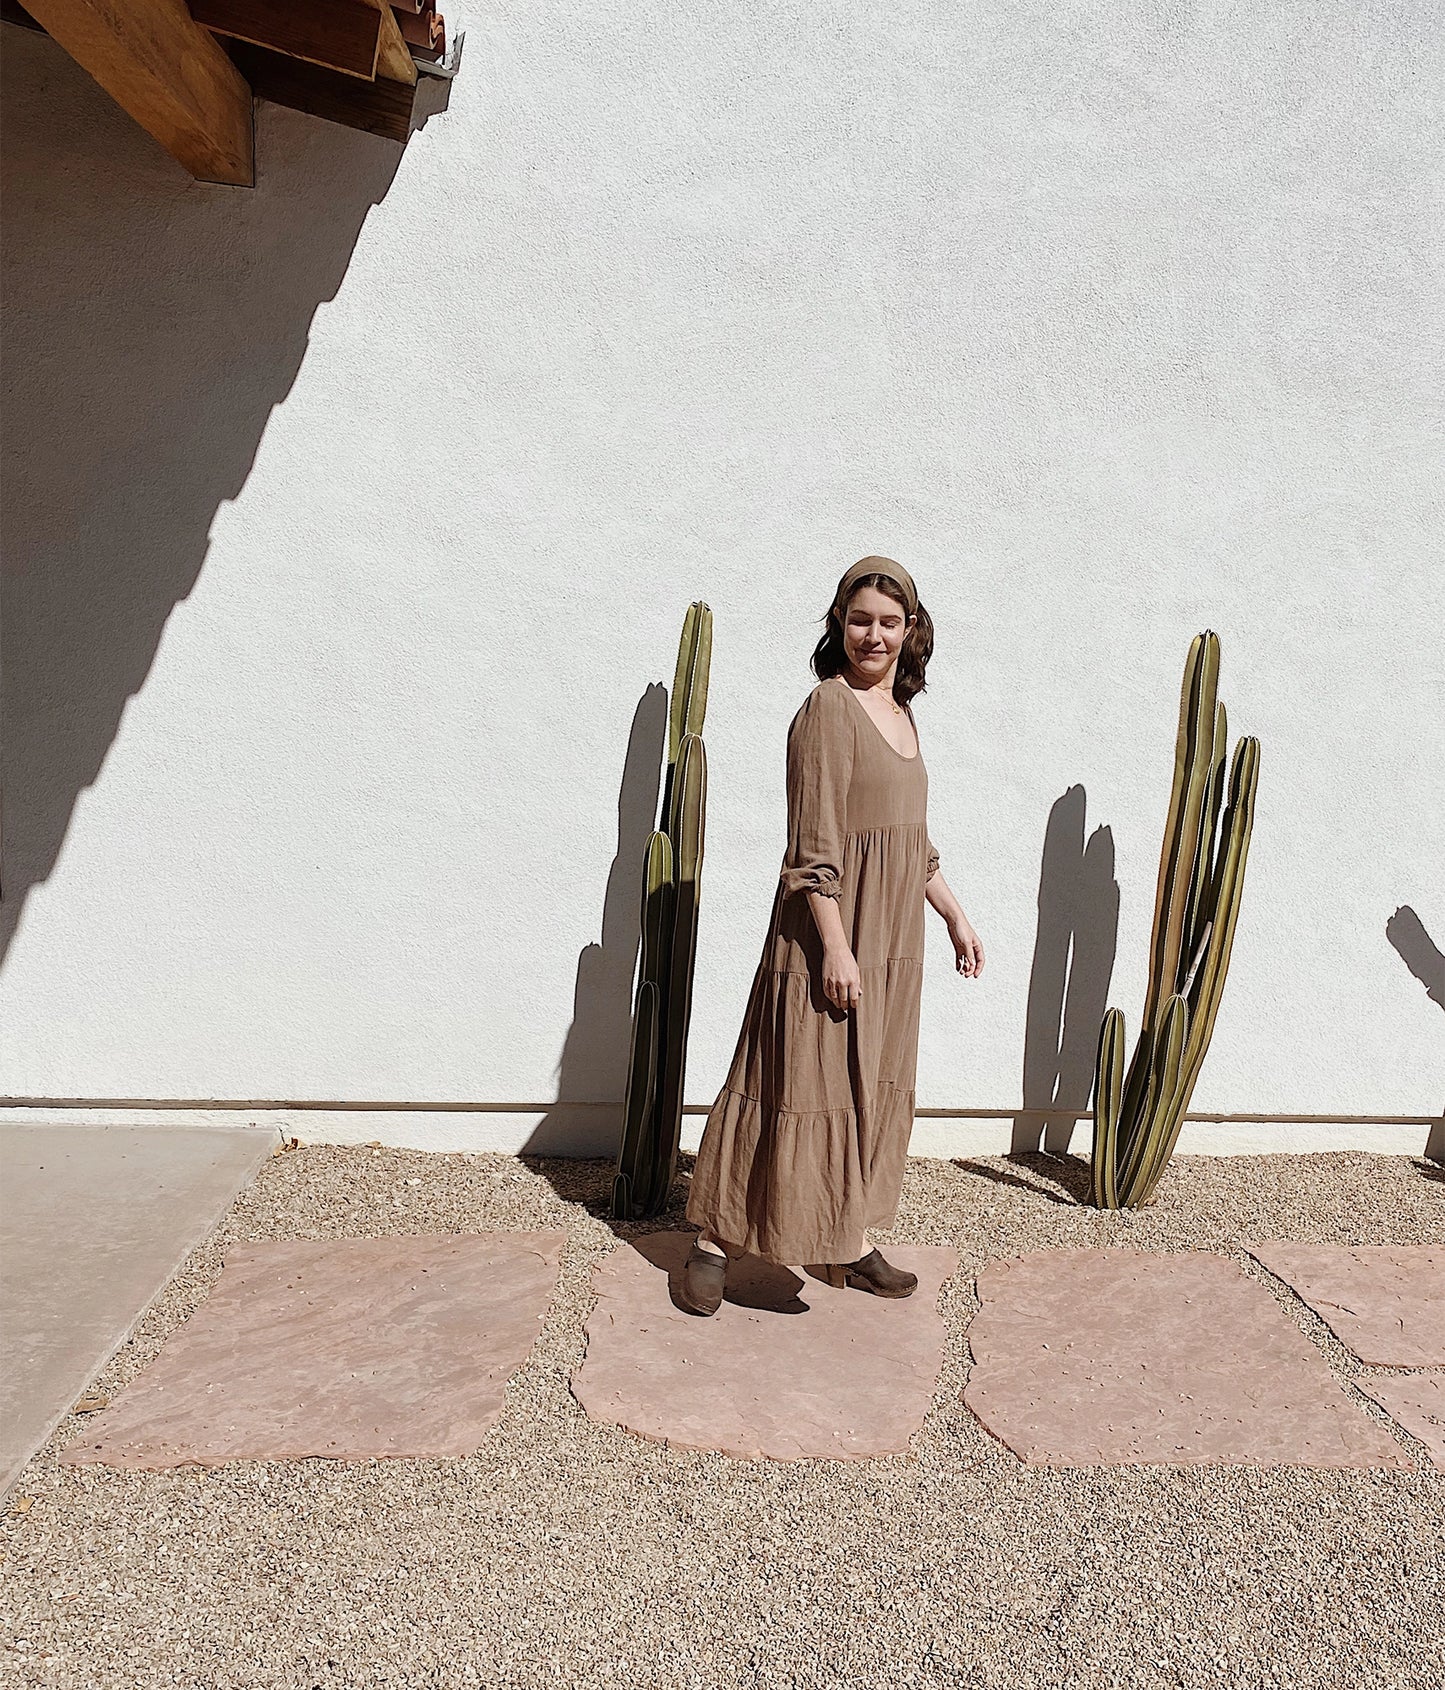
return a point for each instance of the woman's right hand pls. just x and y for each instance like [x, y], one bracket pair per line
[842, 979]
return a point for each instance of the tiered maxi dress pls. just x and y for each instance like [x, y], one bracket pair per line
[807, 1141]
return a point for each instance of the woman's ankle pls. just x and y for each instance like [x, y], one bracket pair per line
[705, 1241]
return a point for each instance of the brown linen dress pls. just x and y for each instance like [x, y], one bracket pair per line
[806, 1143]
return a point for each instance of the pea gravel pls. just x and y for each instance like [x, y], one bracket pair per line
[572, 1554]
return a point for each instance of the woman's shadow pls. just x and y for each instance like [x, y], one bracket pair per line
[1423, 957]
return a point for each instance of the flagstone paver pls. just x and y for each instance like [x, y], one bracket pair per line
[1386, 1302]
[1415, 1401]
[1086, 1357]
[350, 1348]
[787, 1368]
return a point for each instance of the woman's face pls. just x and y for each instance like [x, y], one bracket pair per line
[874, 627]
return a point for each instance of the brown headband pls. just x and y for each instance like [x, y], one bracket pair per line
[876, 566]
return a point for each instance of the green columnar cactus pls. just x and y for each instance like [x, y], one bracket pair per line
[652, 1112]
[1201, 873]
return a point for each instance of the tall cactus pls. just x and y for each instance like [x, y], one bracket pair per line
[652, 1112]
[640, 1104]
[1201, 874]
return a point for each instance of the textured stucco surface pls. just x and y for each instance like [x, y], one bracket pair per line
[352, 520]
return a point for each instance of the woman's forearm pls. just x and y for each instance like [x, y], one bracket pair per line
[938, 893]
[829, 920]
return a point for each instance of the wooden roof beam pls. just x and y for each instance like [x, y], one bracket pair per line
[393, 60]
[169, 73]
[382, 107]
[341, 35]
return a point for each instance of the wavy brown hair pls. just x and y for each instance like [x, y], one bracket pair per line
[830, 656]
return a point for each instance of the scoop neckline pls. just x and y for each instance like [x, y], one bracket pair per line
[901, 756]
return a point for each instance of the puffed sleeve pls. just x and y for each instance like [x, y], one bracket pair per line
[820, 766]
[932, 859]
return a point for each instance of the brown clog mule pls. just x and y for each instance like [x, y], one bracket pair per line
[703, 1278]
[872, 1273]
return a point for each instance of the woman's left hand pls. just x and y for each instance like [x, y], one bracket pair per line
[968, 950]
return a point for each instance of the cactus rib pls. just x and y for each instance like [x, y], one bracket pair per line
[1108, 1086]
[1168, 1062]
[637, 1105]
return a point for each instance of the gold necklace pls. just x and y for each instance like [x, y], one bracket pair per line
[897, 708]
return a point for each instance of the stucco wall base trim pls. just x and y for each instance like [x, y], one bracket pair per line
[589, 1129]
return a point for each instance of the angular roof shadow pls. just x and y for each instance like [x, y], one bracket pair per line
[152, 324]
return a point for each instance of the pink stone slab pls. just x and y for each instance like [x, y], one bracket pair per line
[1091, 1357]
[1415, 1401]
[787, 1367]
[1385, 1301]
[347, 1347]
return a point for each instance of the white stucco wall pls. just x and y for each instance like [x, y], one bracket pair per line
[351, 518]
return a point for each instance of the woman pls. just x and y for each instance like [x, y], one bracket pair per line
[805, 1146]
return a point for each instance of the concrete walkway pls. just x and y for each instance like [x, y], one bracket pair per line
[93, 1223]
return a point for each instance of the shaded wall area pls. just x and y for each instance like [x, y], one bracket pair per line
[151, 325]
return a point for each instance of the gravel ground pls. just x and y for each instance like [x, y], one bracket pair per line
[570, 1554]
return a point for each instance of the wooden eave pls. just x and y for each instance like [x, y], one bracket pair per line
[188, 70]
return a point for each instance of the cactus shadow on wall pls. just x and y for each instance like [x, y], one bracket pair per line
[1074, 948]
[593, 1065]
[1423, 957]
